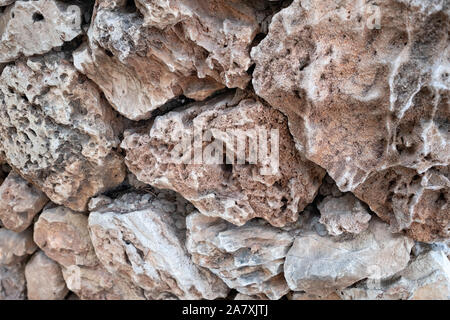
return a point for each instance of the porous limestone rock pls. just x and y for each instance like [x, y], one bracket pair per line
[35, 27]
[44, 278]
[248, 258]
[20, 201]
[321, 264]
[142, 58]
[365, 87]
[427, 277]
[63, 235]
[141, 237]
[58, 131]
[343, 214]
[12, 282]
[15, 247]
[217, 177]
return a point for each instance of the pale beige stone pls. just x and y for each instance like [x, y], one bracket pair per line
[427, 277]
[142, 237]
[15, 247]
[12, 282]
[58, 131]
[345, 214]
[320, 265]
[248, 258]
[44, 278]
[64, 237]
[20, 201]
[35, 27]
[368, 100]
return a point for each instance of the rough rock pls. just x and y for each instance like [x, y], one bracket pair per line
[143, 58]
[64, 237]
[232, 185]
[343, 214]
[20, 201]
[248, 258]
[321, 264]
[366, 89]
[96, 283]
[427, 277]
[141, 237]
[241, 296]
[12, 282]
[15, 247]
[44, 278]
[35, 27]
[58, 131]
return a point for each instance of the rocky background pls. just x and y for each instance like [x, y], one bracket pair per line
[92, 93]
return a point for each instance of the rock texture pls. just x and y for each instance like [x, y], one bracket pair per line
[248, 258]
[44, 278]
[144, 58]
[15, 247]
[12, 282]
[57, 130]
[426, 278]
[63, 235]
[142, 237]
[367, 99]
[224, 149]
[20, 201]
[231, 185]
[319, 265]
[35, 27]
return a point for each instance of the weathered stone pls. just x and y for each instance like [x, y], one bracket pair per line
[20, 201]
[141, 237]
[248, 258]
[343, 214]
[143, 59]
[366, 89]
[427, 277]
[35, 27]
[12, 282]
[58, 131]
[96, 283]
[15, 247]
[64, 237]
[319, 265]
[44, 279]
[275, 187]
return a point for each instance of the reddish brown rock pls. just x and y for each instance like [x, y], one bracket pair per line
[227, 184]
[366, 90]
[20, 201]
[64, 237]
[143, 58]
[142, 237]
